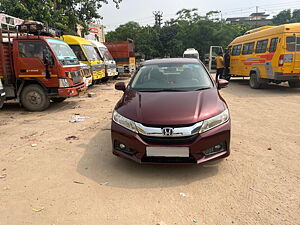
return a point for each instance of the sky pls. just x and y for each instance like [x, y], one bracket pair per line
[141, 11]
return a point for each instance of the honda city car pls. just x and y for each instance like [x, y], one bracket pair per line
[171, 112]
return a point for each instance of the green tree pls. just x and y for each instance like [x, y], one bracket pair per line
[187, 30]
[283, 17]
[60, 14]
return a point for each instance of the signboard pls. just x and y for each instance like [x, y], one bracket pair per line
[93, 30]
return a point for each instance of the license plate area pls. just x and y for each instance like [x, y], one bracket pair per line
[167, 151]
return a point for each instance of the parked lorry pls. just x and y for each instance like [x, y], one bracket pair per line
[34, 66]
[110, 63]
[85, 52]
[123, 54]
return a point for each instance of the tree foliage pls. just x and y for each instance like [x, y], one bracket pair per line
[60, 14]
[287, 16]
[187, 30]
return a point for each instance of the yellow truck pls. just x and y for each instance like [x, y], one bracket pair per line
[86, 53]
[267, 54]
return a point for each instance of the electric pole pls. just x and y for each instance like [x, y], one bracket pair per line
[158, 17]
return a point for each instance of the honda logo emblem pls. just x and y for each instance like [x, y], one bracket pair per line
[167, 131]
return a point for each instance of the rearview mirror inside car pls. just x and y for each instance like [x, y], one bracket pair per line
[120, 86]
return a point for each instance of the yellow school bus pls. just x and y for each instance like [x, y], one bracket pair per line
[85, 52]
[267, 54]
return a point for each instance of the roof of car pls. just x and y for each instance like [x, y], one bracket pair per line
[171, 60]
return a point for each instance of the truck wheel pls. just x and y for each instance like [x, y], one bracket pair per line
[294, 84]
[58, 100]
[1, 102]
[34, 98]
[104, 79]
[254, 81]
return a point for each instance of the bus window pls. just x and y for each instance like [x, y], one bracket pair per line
[291, 43]
[261, 46]
[236, 50]
[273, 45]
[248, 48]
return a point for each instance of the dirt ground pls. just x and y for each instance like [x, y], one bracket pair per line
[48, 180]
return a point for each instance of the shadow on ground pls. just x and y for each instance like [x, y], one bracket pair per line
[99, 165]
[240, 87]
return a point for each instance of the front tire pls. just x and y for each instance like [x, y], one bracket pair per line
[294, 84]
[34, 98]
[58, 100]
[1, 102]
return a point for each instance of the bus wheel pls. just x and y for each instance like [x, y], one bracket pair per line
[254, 81]
[34, 98]
[58, 100]
[294, 84]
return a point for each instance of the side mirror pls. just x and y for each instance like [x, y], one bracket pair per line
[120, 86]
[222, 83]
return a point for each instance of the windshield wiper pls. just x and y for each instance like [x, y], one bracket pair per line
[162, 90]
[200, 89]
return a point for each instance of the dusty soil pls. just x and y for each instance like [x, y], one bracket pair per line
[46, 179]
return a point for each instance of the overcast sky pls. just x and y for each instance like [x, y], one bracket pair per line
[141, 10]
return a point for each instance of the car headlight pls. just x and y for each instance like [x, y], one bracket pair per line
[63, 83]
[215, 121]
[124, 122]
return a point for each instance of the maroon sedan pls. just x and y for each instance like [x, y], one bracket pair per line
[171, 112]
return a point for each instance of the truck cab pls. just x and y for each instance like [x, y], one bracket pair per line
[110, 63]
[86, 53]
[36, 67]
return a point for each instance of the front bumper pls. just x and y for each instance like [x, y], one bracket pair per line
[97, 75]
[72, 91]
[197, 145]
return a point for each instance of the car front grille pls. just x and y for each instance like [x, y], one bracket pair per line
[168, 140]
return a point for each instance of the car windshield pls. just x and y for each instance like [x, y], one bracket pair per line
[105, 53]
[62, 50]
[91, 53]
[171, 77]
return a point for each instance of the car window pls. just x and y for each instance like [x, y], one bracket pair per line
[78, 52]
[35, 49]
[236, 50]
[273, 45]
[291, 42]
[171, 76]
[248, 48]
[261, 46]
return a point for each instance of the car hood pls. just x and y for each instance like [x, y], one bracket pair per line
[170, 108]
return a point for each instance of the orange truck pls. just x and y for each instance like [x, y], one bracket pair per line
[124, 55]
[36, 68]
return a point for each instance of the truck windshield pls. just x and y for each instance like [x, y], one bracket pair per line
[171, 77]
[105, 53]
[63, 52]
[91, 53]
